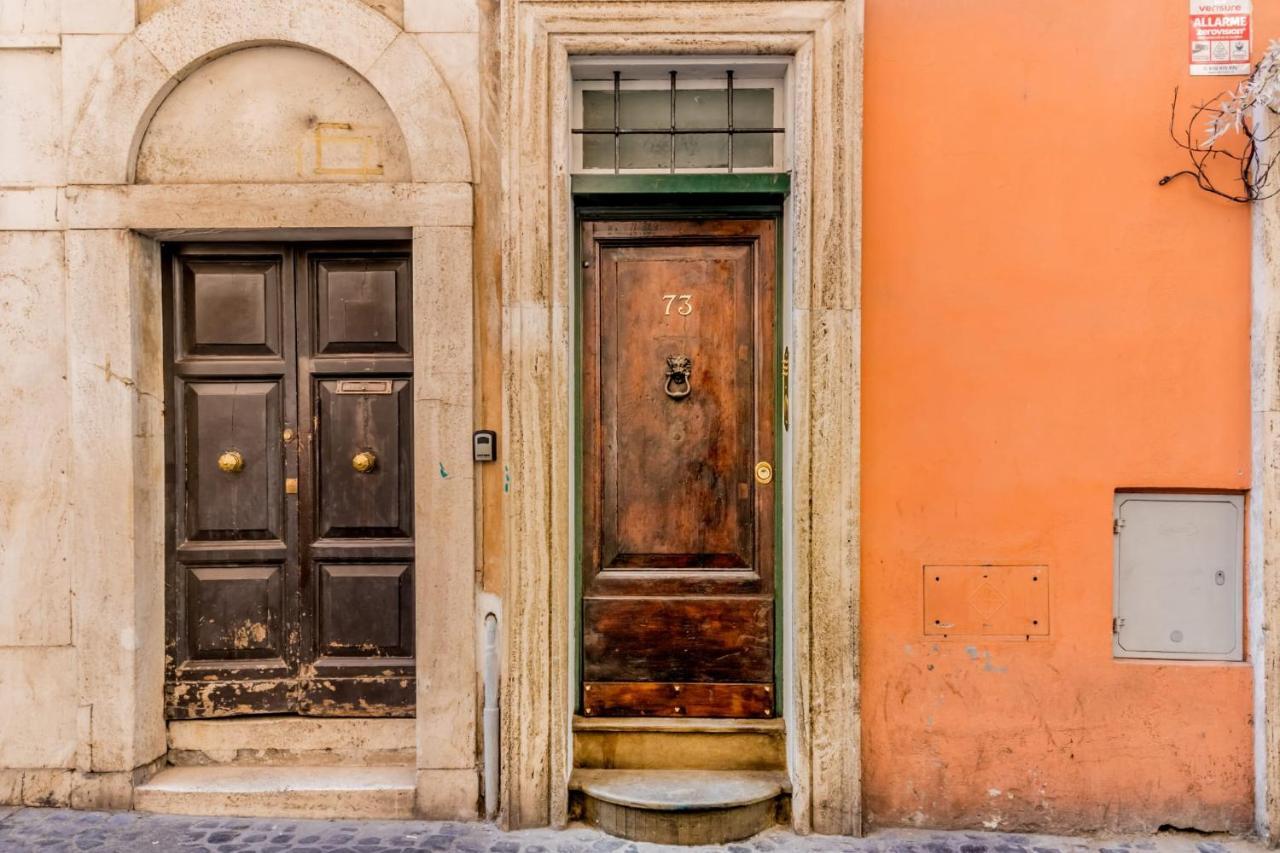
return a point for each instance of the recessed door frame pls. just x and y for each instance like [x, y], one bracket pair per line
[824, 39]
[116, 369]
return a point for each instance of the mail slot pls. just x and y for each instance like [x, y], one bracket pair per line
[364, 386]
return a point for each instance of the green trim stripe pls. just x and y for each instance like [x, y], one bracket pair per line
[734, 183]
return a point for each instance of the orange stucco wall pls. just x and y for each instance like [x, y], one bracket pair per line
[1043, 324]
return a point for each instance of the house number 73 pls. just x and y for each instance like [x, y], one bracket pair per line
[685, 300]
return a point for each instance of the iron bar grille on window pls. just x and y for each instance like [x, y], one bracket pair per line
[690, 142]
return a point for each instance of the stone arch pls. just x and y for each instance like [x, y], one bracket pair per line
[149, 63]
[311, 120]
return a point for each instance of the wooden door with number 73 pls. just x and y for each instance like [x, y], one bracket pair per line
[678, 441]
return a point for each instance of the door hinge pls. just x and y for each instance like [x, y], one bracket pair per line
[1116, 624]
[786, 388]
[1116, 524]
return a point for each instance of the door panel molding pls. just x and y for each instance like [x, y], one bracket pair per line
[237, 417]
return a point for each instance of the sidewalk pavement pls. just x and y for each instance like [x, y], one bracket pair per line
[49, 830]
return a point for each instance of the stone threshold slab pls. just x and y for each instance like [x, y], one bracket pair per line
[299, 791]
[295, 734]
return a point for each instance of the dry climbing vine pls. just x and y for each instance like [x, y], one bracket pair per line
[1237, 150]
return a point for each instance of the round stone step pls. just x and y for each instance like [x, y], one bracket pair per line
[680, 806]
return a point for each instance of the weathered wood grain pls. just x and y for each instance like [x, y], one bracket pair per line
[687, 699]
[678, 390]
[290, 599]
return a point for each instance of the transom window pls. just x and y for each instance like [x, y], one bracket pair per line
[677, 116]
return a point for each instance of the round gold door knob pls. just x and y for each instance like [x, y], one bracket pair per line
[764, 473]
[364, 461]
[231, 462]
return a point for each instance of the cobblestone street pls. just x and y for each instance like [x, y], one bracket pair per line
[31, 829]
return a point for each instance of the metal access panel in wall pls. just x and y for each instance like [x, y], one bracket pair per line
[1009, 602]
[1178, 576]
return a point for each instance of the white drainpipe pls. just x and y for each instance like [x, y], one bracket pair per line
[492, 715]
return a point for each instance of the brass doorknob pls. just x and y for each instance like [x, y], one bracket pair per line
[364, 461]
[231, 462]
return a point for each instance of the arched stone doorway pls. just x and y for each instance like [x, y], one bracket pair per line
[135, 180]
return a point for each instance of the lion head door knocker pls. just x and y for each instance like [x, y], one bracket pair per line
[679, 376]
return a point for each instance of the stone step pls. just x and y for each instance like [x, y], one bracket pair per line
[287, 740]
[680, 806]
[296, 791]
[667, 743]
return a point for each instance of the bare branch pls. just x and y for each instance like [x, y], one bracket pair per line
[1231, 135]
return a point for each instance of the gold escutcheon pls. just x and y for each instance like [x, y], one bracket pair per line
[764, 473]
[364, 461]
[231, 462]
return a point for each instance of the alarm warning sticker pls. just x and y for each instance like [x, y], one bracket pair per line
[1220, 37]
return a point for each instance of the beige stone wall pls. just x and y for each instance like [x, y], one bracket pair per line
[111, 114]
[38, 731]
[393, 9]
[1264, 511]
[122, 124]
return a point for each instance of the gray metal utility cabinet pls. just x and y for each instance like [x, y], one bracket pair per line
[1179, 561]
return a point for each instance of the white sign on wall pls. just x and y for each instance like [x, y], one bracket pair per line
[1220, 36]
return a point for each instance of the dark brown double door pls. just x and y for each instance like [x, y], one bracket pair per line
[290, 470]
[678, 496]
